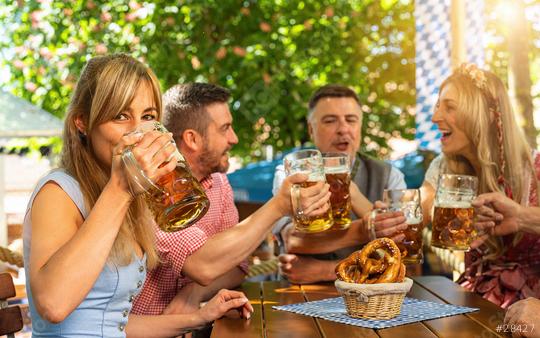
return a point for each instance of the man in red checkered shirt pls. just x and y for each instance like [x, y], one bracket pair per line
[210, 255]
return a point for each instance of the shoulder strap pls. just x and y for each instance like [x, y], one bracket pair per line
[371, 177]
[68, 183]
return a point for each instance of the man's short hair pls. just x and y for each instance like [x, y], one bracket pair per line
[184, 106]
[331, 90]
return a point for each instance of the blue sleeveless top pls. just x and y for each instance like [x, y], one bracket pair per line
[104, 312]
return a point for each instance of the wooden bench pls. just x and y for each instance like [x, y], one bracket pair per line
[10, 316]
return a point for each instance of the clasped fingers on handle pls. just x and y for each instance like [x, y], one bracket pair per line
[311, 201]
[386, 223]
[155, 154]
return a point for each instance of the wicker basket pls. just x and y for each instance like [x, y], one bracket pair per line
[373, 301]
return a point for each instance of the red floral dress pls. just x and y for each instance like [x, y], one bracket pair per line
[515, 274]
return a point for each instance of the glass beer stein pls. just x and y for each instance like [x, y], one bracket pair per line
[176, 199]
[338, 176]
[453, 213]
[409, 202]
[310, 163]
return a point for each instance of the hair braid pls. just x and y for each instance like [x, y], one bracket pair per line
[478, 78]
[494, 109]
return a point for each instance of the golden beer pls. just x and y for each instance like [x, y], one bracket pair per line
[337, 173]
[340, 199]
[453, 226]
[310, 163]
[314, 223]
[411, 247]
[408, 202]
[178, 200]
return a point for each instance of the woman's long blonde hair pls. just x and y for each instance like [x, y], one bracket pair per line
[106, 87]
[489, 122]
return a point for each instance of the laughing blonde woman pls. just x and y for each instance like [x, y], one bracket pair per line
[480, 137]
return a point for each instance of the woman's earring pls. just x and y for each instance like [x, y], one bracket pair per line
[82, 137]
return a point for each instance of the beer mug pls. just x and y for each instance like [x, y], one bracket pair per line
[338, 176]
[409, 202]
[308, 162]
[177, 199]
[453, 213]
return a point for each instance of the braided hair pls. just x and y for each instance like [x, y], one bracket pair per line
[480, 80]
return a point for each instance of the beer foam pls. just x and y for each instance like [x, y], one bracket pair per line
[414, 220]
[453, 204]
[336, 170]
[313, 176]
[316, 176]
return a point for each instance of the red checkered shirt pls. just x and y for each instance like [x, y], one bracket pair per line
[166, 280]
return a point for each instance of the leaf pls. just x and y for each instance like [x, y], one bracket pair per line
[387, 4]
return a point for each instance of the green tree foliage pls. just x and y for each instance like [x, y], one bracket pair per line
[272, 54]
[500, 20]
[508, 22]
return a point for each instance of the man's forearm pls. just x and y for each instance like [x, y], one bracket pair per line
[325, 242]
[229, 280]
[529, 220]
[328, 272]
[227, 249]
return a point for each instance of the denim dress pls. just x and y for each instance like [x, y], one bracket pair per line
[104, 312]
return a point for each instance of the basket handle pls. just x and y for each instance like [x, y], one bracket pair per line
[360, 297]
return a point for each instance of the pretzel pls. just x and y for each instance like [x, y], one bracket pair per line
[392, 258]
[348, 269]
[378, 262]
[401, 276]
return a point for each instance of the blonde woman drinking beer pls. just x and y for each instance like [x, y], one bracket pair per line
[480, 137]
[88, 239]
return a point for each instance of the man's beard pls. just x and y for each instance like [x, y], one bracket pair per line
[210, 161]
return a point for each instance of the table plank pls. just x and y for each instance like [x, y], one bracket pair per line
[234, 328]
[416, 330]
[285, 324]
[329, 328]
[450, 326]
[490, 315]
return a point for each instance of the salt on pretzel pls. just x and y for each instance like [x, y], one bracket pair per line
[369, 266]
[392, 257]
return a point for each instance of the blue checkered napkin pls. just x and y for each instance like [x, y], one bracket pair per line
[412, 310]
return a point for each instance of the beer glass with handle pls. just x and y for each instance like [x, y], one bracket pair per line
[409, 202]
[177, 199]
[338, 176]
[308, 162]
[453, 213]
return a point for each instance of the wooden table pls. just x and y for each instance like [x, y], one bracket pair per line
[266, 322]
